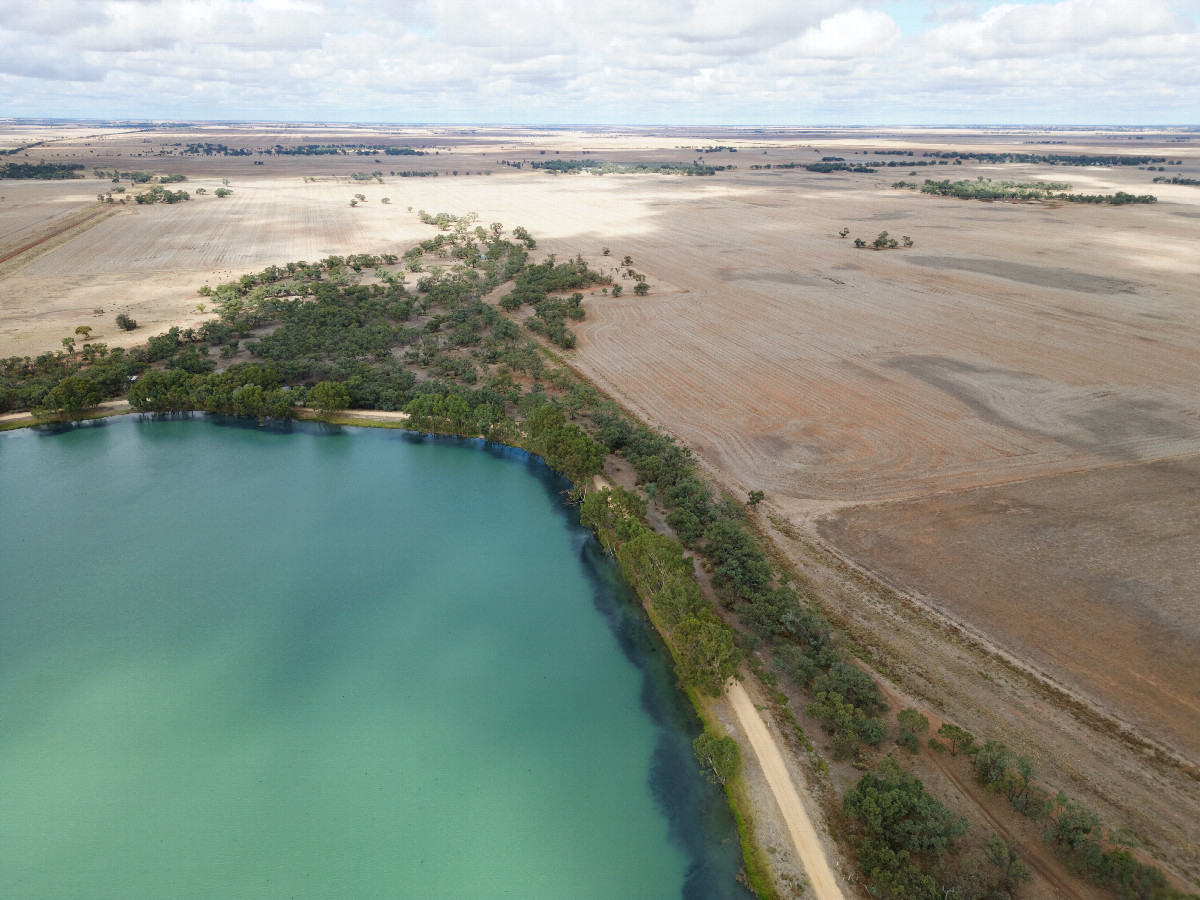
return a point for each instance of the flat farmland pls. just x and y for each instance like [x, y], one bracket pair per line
[1090, 575]
[148, 260]
[992, 351]
[1015, 344]
[28, 209]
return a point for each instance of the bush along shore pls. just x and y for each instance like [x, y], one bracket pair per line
[350, 333]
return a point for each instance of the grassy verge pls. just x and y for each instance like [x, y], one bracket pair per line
[754, 858]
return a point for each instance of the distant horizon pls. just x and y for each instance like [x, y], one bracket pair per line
[191, 120]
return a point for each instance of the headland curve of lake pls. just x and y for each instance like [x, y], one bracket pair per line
[316, 662]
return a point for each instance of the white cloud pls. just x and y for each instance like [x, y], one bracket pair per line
[604, 60]
[1012, 30]
[854, 33]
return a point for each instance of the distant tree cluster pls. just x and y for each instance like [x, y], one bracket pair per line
[1192, 181]
[211, 149]
[560, 166]
[314, 150]
[159, 194]
[981, 189]
[42, 171]
[826, 167]
[215, 149]
[882, 241]
[566, 165]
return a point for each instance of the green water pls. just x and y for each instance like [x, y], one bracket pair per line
[352, 663]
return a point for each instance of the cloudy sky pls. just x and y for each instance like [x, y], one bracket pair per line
[722, 62]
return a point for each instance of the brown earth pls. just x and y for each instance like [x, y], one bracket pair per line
[1097, 569]
[998, 426]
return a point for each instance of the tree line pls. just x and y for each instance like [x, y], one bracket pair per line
[561, 166]
[1053, 159]
[981, 189]
[41, 170]
[827, 167]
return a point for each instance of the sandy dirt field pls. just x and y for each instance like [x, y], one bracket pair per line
[1100, 570]
[981, 451]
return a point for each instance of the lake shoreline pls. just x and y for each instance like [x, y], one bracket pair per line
[138, 454]
[757, 867]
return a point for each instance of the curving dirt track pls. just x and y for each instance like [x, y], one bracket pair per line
[791, 805]
[1032, 853]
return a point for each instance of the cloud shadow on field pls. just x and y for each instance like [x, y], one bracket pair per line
[1098, 421]
[1041, 276]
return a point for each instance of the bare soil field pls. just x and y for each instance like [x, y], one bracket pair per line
[28, 208]
[1090, 575]
[982, 451]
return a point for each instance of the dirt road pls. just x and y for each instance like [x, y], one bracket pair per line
[107, 408]
[804, 836]
[1035, 855]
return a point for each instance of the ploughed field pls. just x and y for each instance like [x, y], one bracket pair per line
[1012, 343]
[1002, 419]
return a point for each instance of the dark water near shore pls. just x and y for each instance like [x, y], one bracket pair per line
[317, 662]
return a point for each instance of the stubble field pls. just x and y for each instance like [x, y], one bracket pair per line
[1000, 422]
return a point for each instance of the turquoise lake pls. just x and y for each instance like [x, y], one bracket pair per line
[239, 662]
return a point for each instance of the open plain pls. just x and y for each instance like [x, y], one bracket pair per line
[982, 452]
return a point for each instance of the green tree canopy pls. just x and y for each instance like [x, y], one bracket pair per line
[72, 396]
[719, 756]
[328, 397]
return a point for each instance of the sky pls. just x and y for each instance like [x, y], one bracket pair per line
[638, 62]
